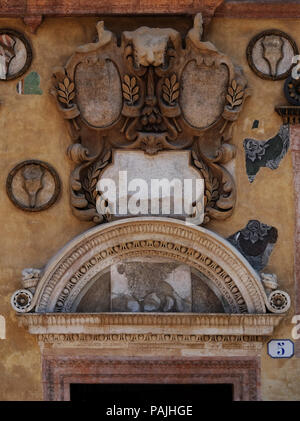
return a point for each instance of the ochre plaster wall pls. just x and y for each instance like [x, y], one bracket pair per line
[31, 128]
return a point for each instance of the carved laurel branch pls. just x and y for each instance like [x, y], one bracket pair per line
[130, 90]
[235, 94]
[212, 184]
[170, 90]
[66, 91]
[90, 181]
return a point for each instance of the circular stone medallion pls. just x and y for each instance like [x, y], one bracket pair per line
[33, 185]
[270, 54]
[15, 54]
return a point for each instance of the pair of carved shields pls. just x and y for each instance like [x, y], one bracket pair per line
[154, 92]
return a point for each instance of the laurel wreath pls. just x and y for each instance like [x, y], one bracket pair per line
[130, 90]
[235, 94]
[66, 91]
[170, 89]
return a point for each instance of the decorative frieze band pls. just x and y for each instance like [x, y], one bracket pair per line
[150, 338]
[166, 324]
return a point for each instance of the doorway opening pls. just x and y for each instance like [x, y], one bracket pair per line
[129, 394]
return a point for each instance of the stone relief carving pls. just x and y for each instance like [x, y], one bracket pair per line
[33, 185]
[30, 278]
[255, 242]
[269, 281]
[238, 284]
[151, 287]
[32, 182]
[152, 94]
[270, 54]
[267, 153]
[21, 300]
[15, 54]
[277, 300]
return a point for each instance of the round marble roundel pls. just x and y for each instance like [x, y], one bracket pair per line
[15, 54]
[33, 185]
[270, 54]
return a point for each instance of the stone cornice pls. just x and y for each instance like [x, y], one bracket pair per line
[162, 324]
[105, 7]
[237, 9]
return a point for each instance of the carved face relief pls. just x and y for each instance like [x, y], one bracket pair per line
[15, 54]
[151, 93]
[270, 54]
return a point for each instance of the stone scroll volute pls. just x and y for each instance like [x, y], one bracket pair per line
[150, 93]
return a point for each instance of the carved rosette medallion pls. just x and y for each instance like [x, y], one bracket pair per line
[33, 185]
[270, 54]
[153, 94]
[15, 54]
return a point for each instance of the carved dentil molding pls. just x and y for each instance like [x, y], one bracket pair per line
[203, 330]
[240, 323]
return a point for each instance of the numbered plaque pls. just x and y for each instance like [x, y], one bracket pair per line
[281, 348]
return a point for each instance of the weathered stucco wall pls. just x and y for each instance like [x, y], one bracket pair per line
[31, 128]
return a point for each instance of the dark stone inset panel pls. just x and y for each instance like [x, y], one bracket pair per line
[266, 153]
[255, 242]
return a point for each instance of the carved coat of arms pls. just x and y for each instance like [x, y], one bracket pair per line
[153, 92]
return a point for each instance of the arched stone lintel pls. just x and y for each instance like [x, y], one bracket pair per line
[101, 246]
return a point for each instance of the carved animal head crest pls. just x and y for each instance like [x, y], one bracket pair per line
[149, 46]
